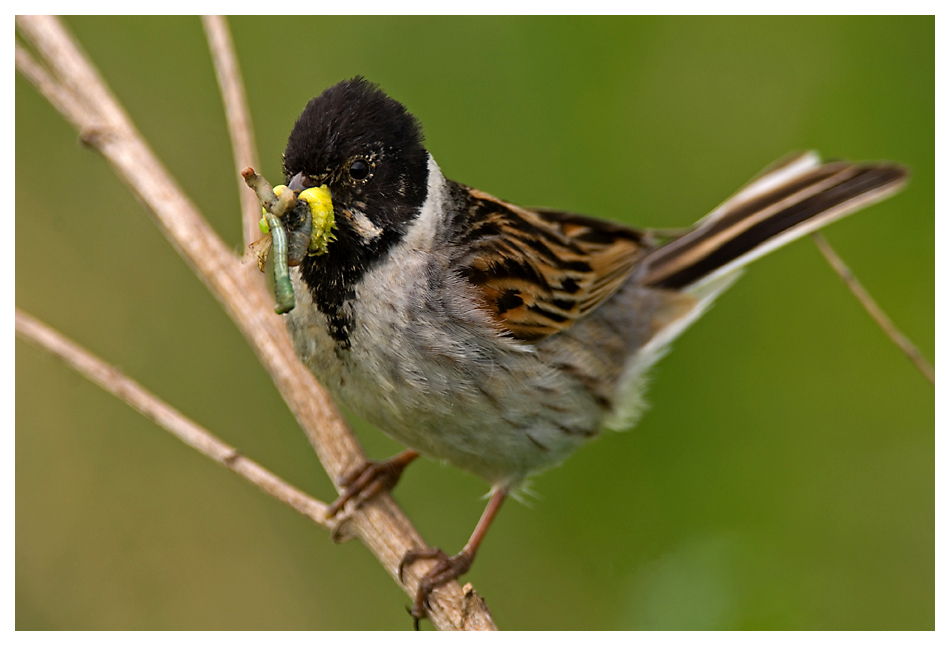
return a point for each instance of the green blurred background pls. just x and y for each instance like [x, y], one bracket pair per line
[783, 478]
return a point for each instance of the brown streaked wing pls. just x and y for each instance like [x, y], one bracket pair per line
[538, 271]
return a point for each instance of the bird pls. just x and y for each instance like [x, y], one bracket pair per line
[499, 338]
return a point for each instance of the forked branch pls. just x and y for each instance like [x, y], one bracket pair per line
[70, 82]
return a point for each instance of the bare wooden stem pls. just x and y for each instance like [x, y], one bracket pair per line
[237, 113]
[74, 87]
[873, 308]
[132, 393]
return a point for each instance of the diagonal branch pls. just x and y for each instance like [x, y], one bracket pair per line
[872, 308]
[74, 87]
[131, 392]
[238, 116]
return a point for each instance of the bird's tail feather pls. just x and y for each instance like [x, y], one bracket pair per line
[793, 197]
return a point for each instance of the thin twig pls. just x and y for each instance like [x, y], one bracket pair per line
[266, 195]
[103, 124]
[132, 393]
[237, 113]
[873, 309]
[56, 94]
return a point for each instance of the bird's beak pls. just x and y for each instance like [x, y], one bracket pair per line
[296, 183]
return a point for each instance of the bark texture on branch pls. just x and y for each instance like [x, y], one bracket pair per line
[72, 85]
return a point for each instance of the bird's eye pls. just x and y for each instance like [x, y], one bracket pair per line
[359, 169]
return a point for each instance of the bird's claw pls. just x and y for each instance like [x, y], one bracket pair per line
[447, 568]
[366, 481]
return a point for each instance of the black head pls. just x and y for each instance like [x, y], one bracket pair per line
[368, 150]
[366, 147]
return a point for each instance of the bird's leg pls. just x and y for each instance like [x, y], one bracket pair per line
[370, 478]
[449, 568]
